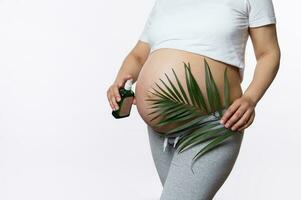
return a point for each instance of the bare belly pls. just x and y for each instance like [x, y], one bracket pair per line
[162, 61]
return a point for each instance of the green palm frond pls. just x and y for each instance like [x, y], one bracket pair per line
[174, 105]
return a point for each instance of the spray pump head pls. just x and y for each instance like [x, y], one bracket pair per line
[128, 84]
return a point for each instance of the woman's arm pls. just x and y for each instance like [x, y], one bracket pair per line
[267, 53]
[129, 69]
[133, 62]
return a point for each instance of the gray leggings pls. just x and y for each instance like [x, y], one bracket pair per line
[210, 171]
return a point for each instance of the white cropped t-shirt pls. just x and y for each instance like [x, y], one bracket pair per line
[217, 29]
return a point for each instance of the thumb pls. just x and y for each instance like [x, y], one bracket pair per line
[127, 77]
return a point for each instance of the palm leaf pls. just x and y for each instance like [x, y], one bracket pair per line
[212, 91]
[226, 89]
[174, 105]
[189, 85]
[196, 92]
[181, 87]
[214, 143]
[187, 141]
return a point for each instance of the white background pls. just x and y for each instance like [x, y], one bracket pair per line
[58, 139]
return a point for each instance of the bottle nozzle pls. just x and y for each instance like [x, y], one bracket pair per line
[128, 84]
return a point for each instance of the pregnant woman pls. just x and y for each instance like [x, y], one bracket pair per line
[199, 33]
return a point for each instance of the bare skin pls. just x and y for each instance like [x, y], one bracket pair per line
[145, 68]
[162, 61]
[267, 53]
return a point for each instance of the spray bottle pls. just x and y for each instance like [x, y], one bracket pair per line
[126, 101]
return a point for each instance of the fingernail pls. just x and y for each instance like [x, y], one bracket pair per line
[221, 121]
[118, 98]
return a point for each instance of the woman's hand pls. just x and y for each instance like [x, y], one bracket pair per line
[113, 92]
[240, 114]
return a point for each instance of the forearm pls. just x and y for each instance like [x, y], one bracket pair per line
[266, 69]
[130, 66]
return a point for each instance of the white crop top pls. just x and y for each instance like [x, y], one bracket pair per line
[217, 29]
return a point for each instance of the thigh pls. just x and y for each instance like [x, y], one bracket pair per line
[210, 171]
[161, 159]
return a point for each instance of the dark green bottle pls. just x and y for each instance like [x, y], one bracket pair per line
[126, 101]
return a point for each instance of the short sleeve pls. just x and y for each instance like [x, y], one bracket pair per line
[144, 35]
[260, 12]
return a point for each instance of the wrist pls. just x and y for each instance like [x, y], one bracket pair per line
[251, 99]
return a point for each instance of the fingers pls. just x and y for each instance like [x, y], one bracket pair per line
[112, 91]
[251, 119]
[114, 96]
[229, 112]
[242, 121]
[239, 115]
[234, 118]
[123, 80]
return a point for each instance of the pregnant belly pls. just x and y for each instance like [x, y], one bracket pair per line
[162, 61]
